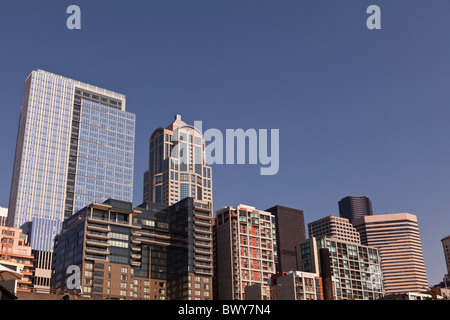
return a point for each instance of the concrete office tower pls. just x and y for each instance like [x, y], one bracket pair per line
[177, 166]
[290, 230]
[398, 239]
[151, 252]
[334, 227]
[75, 145]
[352, 207]
[446, 247]
[244, 250]
[348, 270]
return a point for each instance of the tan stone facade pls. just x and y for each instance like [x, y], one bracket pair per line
[398, 239]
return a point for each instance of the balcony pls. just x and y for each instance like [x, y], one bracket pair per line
[136, 233]
[207, 265]
[202, 257]
[98, 243]
[95, 250]
[98, 227]
[97, 235]
[203, 244]
[203, 250]
[203, 271]
[136, 241]
[202, 214]
[96, 257]
[135, 256]
[202, 229]
[201, 222]
[202, 206]
[98, 220]
[155, 241]
[202, 236]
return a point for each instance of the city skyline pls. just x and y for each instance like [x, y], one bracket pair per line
[378, 129]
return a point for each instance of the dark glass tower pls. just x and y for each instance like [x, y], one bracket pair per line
[290, 230]
[352, 207]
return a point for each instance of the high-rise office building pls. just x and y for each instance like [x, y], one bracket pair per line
[75, 145]
[153, 251]
[352, 207]
[398, 239]
[334, 227]
[177, 165]
[290, 230]
[244, 250]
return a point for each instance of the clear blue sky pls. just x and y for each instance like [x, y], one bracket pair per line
[359, 111]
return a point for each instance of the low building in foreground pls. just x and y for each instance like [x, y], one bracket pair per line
[15, 254]
[297, 285]
[355, 268]
[153, 251]
[409, 296]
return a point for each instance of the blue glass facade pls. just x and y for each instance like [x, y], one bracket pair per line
[42, 232]
[40, 166]
[105, 155]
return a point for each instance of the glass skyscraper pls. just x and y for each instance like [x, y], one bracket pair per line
[75, 146]
[105, 155]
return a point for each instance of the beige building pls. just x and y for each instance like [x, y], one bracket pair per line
[334, 227]
[244, 250]
[177, 165]
[3, 216]
[398, 240]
